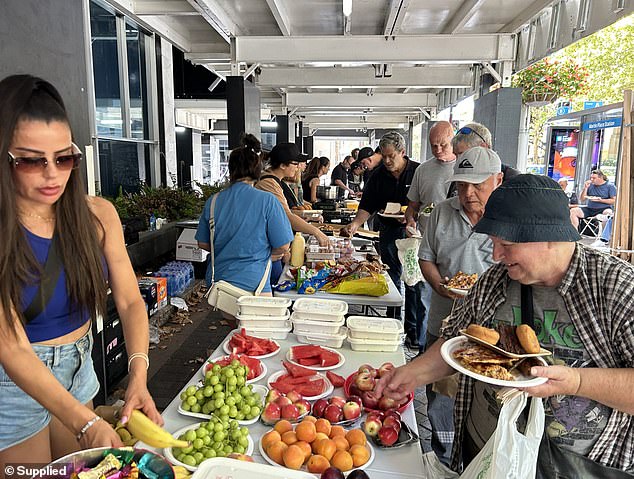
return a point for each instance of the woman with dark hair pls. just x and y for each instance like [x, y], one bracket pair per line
[284, 161]
[251, 227]
[59, 247]
[317, 167]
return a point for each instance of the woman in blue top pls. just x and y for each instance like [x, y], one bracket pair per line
[251, 228]
[54, 234]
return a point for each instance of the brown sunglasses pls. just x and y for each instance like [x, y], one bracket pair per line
[34, 164]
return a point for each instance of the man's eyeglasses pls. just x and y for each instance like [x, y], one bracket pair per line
[465, 130]
[296, 163]
[34, 164]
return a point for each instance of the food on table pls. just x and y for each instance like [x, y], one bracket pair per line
[337, 409]
[358, 474]
[336, 380]
[241, 343]
[290, 407]
[363, 382]
[215, 438]
[151, 433]
[527, 338]
[240, 457]
[332, 473]
[254, 366]
[224, 393]
[462, 280]
[309, 355]
[487, 335]
[484, 361]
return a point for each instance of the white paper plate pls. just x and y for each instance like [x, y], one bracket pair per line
[227, 349]
[458, 291]
[342, 360]
[167, 452]
[257, 388]
[329, 387]
[398, 216]
[449, 347]
[249, 381]
[303, 468]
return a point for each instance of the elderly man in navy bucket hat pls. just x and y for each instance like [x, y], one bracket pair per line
[580, 302]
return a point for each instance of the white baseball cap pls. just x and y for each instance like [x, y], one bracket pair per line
[476, 165]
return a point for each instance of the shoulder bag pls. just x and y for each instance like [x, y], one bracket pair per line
[223, 295]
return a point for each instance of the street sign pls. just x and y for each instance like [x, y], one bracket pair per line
[564, 110]
[602, 124]
[591, 104]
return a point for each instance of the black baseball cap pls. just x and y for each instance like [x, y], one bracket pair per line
[365, 152]
[284, 153]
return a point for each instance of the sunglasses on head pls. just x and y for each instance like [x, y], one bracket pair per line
[34, 164]
[465, 130]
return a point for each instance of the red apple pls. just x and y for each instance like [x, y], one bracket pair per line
[272, 413]
[337, 401]
[365, 368]
[333, 413]
[378, 415]
[388, 435]
[272, 395]
[386, 403]
[392, 422]
[351, 410]
[385, 368]
[283, 401]
[403, 401]
[240, 457]
[353, 389]
[318, 407]
[355, 398]
[294, 396]
[372, 426]
[303, 406]
[393, 412]
[370, 400]
[365, 381]
[290, 412]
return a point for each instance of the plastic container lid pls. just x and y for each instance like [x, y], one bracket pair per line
[303, 326]
[264, 301]
[262, 318]
[362, 326]
[330, 340]
[284, 327]
[365, 344]
[316, 306]
[222, 467]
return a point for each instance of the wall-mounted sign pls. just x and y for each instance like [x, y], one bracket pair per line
[591, 104]
[602, 124]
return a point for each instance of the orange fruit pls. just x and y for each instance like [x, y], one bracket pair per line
[326, 448]
[312, 419]
[269, 438]
[342, 460]
[341, 443]
[317, 464]
[355, 436]
[318, 437]
[293, 457]
[289, 437]
[360, 455]
[337, 431]
[283, 426]
[323, 425]
[306, 431]
[276, 452]
[306, 449]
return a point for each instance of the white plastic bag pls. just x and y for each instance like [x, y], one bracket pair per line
[508, 454]
[408, 255]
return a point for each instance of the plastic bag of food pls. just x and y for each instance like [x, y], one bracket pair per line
[373, 284]
[408, 255]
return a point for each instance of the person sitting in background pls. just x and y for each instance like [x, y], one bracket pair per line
[242, 212]
[572, 196]
[354, 153]
[339, 178]
[599, 194]
[317, 167]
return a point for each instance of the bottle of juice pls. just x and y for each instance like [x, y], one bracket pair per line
[297, 250]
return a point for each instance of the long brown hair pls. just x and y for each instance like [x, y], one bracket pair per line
[79, 233]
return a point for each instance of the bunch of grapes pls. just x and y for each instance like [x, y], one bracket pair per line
[224, 394]
[215, 438]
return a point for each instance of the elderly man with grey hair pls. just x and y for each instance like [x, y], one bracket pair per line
[390, 183]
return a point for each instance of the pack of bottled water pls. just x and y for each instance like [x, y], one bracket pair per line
[179, 275]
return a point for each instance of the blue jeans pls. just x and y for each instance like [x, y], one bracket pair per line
[415, 310]
[607, 230]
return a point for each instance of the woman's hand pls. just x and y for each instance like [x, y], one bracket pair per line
[322, 238]
[138, 397]
[100, 434]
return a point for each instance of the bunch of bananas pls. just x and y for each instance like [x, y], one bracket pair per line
[143, 429]
[181, 473]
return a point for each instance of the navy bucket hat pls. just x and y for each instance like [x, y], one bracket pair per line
[528, 209]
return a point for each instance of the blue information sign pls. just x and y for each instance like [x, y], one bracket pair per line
[591, 104]
[601, 124]
[563, 110]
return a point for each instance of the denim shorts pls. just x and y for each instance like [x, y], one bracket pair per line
[21, 416]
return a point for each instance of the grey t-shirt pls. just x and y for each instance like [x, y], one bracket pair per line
[429, 185]
[573, 422]
[450, 243]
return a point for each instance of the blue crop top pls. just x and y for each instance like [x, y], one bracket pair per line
[59, 316]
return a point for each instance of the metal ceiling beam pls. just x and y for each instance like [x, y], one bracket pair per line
[207, 57]
[450, 76]
[375, 49]
[175, 36]
[167, 7]
[216, 17]
[462, 15]
[359, 119]
[281, 16]
[369, 126]
[527, 14]
[392, 100]
[395, 17]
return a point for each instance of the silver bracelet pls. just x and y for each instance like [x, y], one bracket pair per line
[87, 426]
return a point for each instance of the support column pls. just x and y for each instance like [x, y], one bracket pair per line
[299, 129]
[243, 109]
[282, 128]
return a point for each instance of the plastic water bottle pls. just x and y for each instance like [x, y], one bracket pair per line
[152, 222]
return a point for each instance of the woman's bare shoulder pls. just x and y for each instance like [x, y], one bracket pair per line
[103, 209]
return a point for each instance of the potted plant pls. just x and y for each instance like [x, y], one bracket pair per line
[545, 81]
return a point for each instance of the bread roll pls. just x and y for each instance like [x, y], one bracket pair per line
[487, 335]
[528, 339]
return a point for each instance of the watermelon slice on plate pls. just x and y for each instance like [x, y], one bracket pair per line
[311, 387]
[318, 358]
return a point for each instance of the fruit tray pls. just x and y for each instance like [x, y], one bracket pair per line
[406, 436]
[346, 389]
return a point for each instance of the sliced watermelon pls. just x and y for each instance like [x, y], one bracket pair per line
[311, 389]
[314, 361]
[305, 351]
[336, 380]
[329, 358]
[297, 371]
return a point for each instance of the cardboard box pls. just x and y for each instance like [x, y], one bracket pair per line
[187, 247]
[148, 292]
[161, 289]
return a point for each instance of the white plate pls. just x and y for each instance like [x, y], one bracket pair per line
[593, 198]
[449, 347]
[249, 381]
[167, 452]
[329, 387]
[492, 347]
[398, 216]
[303, 468]
[227, 349]
[342, 359]
[458, 291]
[257, 388]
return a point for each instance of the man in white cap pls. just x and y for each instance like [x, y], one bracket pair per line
[450, 246]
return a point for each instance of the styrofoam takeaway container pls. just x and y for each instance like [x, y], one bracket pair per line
[263, 305]
[253, 321]
[320, 309]
[363, 327]
[223, 467]
[308, 326]
[269, 333]
[328, 340]
[373, 344]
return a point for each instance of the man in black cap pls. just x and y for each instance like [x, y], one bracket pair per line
[581, 304]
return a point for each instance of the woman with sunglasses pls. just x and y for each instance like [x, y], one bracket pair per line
[59, 247]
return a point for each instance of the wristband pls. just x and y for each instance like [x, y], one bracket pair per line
[87, 426]
[139, 355]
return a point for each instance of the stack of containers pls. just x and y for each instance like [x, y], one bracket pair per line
[374, 334]
[320, 321]
[264, 316]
